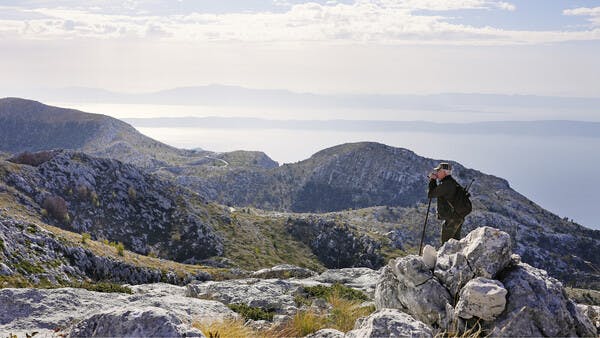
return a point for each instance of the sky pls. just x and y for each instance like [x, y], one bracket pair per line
[540, 47]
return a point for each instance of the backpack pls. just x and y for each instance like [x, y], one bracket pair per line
[461, 202]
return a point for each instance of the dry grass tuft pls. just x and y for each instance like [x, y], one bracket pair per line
[302, 324]
[345, 312]
[474, 332]
[225, 329]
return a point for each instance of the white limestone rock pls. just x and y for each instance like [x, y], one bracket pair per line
[389, 323]
[134, 322]
[483, 298]
[326, 333]
[43, 310]
[275, 294]
[284, 271]
[482, 253]
[537, 305]
[408, 284]
[429, 256]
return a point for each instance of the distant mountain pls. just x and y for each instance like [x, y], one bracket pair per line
[216, 94]
[530, 128]
[27, 125]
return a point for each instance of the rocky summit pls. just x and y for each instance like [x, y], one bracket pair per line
[413, 296]
[477, 285]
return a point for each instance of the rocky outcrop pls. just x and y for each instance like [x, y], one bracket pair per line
[592, 312]
[363, 279]
[537, 305]
[120, 202]
[134, 322]
[389, 323]
[284, 271]
[326, 333]
[47, 310]
[28, 250]
[279, 295]
[407, 284]
[483, 298]
[509, 298]
[271, 294]
[336, 245]
[482, 253]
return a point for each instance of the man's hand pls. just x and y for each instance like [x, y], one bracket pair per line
[432, 176]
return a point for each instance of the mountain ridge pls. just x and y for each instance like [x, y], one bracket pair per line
[224, 94]
[27, 125]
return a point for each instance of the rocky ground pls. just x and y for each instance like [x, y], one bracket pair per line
[476, 285]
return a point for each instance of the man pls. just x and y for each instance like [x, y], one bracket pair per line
[445, 192]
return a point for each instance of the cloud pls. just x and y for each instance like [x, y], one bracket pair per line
[592, 13]
[362, 21]
[445, 5]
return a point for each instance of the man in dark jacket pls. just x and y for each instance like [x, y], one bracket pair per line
[445, 192]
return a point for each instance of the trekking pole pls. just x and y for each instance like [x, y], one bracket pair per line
[469, 186]
[424, 226]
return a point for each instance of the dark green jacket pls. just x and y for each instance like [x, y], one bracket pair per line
[444, 192]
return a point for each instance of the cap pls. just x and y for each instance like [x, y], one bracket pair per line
[443, 165]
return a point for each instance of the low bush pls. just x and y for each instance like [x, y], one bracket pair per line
[56, 207]
[254, 313]
[85, 237]
[33, 159]
[340, 290]
[105, 287]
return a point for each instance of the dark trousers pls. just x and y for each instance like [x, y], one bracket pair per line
[451, 229]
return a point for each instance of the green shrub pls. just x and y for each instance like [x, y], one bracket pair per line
[29, 267]
[254, 313]
[105, 287]
[340, 290]
[120, 249]
[85, 237]
[119, 246]
[132, 193]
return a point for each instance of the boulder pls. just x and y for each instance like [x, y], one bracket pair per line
[271, 294]
[429, 256]
[482, 253]
[483, 298]
[134, 322]
[326, 333]
[537, 305]
[389, 323]
[284, 271]
[592, 312]
[386, 292]
[5, 270]
[409, 285]
[44, 310]
[363, 279]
